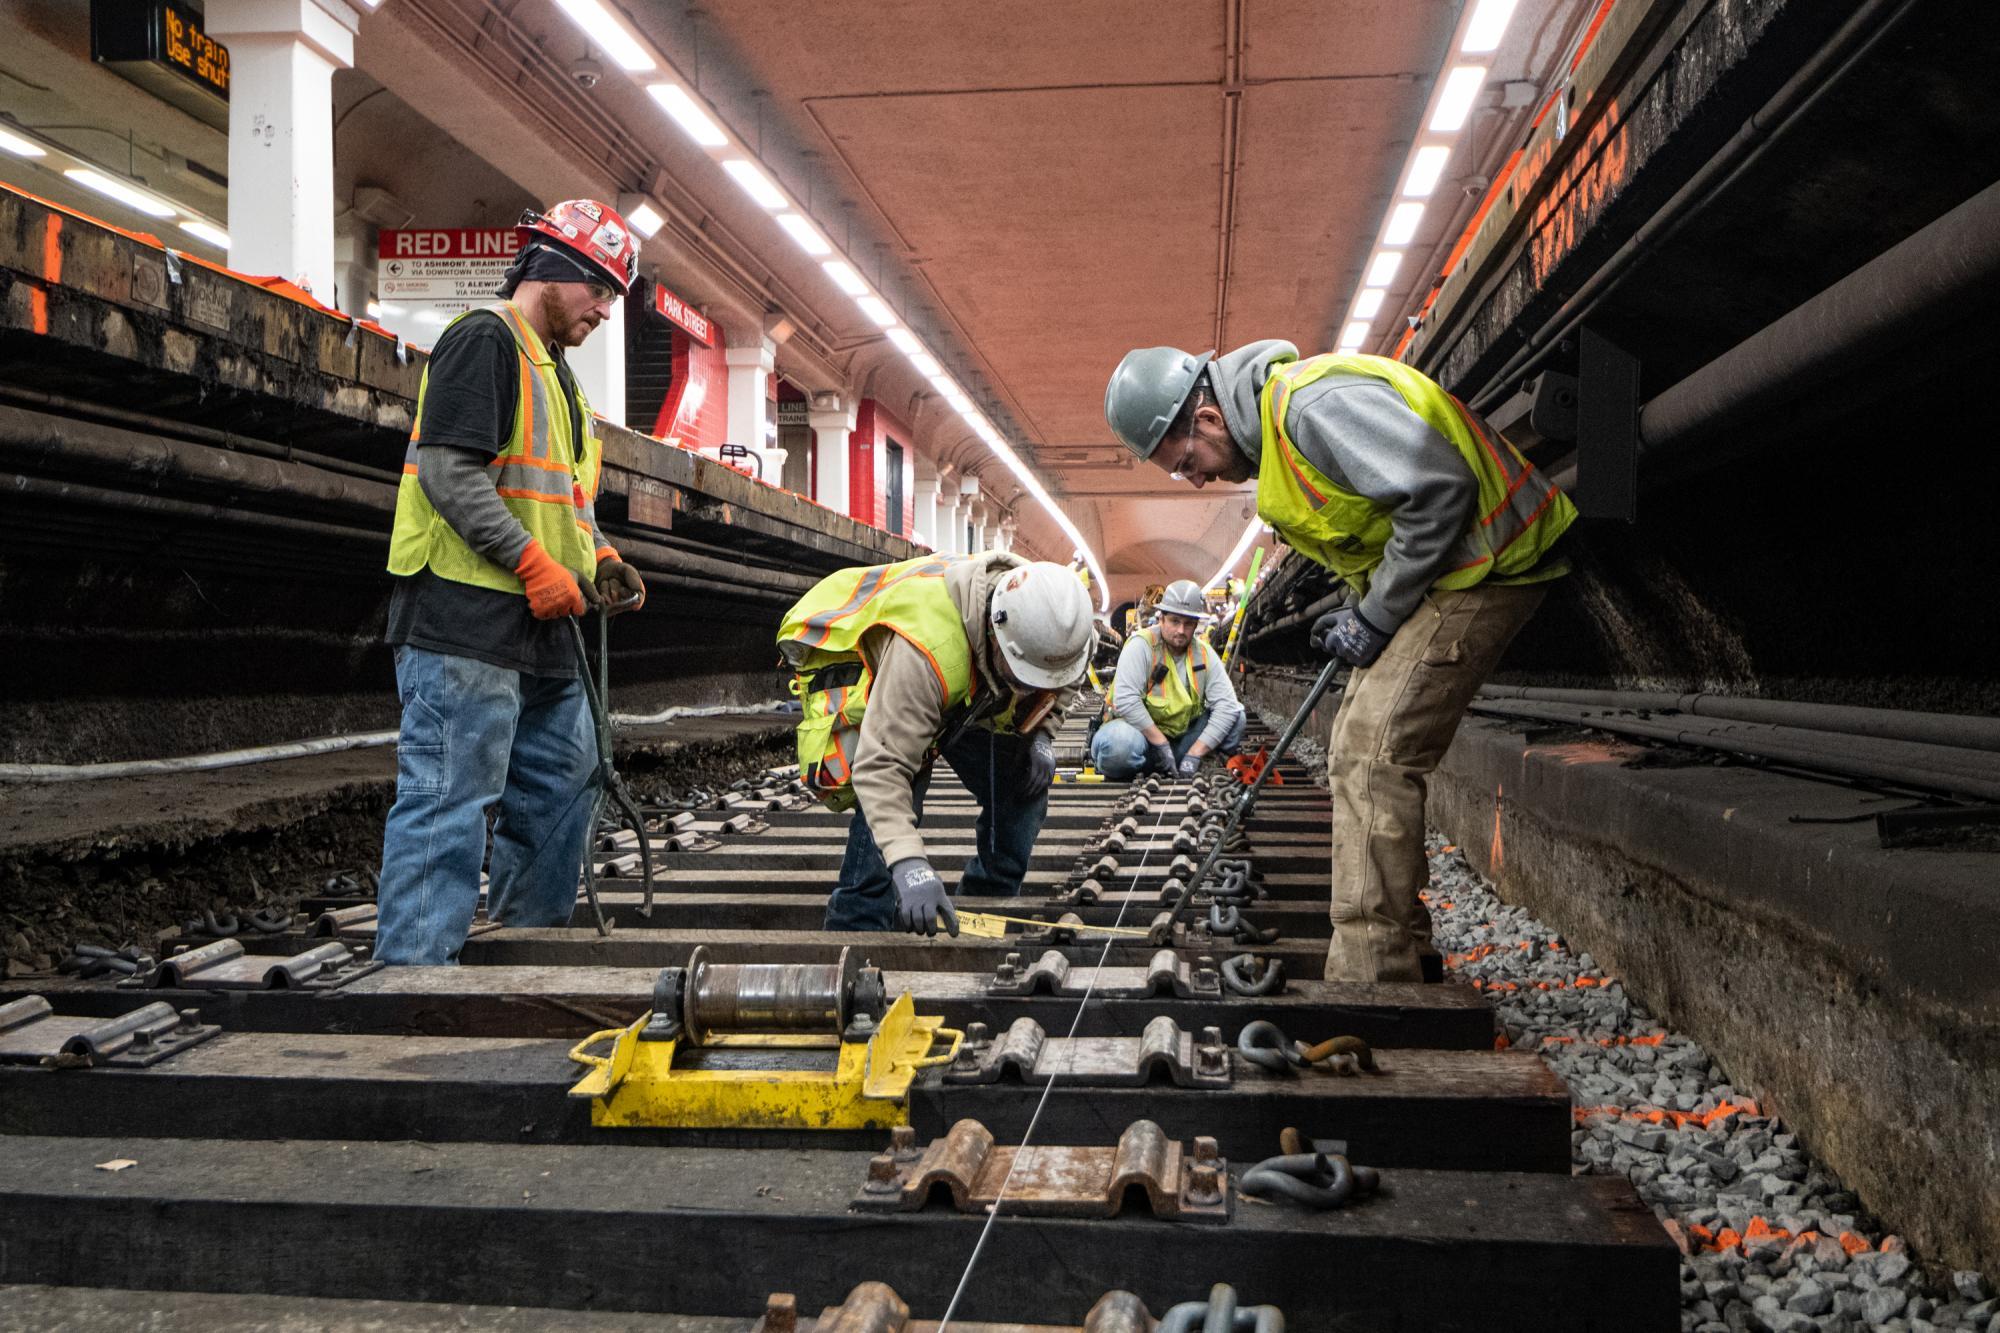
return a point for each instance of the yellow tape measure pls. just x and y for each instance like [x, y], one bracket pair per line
[993, 926]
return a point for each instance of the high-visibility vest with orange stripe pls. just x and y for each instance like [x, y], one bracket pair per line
[1518, 516]
[821, 638]
[1176, 685]
[546, 476]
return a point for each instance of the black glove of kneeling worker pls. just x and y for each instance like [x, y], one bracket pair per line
[1160, 759]
[921, 899]
[1347, 635]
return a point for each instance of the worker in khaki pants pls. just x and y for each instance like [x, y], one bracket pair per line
[1445, 537]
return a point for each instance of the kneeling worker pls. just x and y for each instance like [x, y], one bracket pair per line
[973, 658]
[1171, 703]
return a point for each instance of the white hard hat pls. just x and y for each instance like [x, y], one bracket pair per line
[1183, 598]
[1040, 621]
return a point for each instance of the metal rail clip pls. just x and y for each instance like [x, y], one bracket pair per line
[1166, 974]
[359, 925]
[1187, 1186]
[31, 1032]
[1029, 1055]
[224, 965]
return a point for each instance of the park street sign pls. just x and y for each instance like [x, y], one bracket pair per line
[448, 269]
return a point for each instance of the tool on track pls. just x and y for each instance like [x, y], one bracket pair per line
[610, 785]
[738, 1031]
[1246, 800]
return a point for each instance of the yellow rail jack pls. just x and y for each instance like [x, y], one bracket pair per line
[763, 1046]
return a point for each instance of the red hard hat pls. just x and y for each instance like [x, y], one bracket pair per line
[590, 230]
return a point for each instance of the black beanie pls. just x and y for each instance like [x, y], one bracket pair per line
[541, 262]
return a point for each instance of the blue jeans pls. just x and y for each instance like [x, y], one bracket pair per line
[474, 737]
[993, 768]
[1118, 750]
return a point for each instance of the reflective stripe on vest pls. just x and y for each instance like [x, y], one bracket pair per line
[821, 638]
[545, 476]
[1174, 698]
[1519, 513]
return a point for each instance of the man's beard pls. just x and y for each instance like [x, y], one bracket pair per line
[563, 331]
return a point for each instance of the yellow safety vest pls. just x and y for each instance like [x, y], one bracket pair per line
[823, 640]
[545, 476]
[1173, 697]
[1520, 514]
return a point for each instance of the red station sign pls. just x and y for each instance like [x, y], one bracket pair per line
[686, 317]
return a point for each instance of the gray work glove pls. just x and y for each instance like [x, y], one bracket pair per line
[1160, 759]
[1190, 764]
[1346, 635]
[920, 898]
[619, 587]
[1041, 765]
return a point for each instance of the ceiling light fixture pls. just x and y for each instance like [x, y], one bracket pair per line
[755, 183]
[1382, 271]
[1461, 88]
[1369, 303]
[1489, 23]
[610, 33]
[1425, 169]
[905, 341]
[125, 194]
[646, 221]
[1243, 545]
[805, 234]
[207, 231]
[926, 364]
[694, 122]
[878, 310]
[844, 277]
[1355, 333]
[1402, 228]
[19, 147]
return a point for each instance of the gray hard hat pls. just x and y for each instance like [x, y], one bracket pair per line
[1146, 393]
[1183, 598]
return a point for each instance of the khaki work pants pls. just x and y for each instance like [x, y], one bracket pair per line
[1396, 720]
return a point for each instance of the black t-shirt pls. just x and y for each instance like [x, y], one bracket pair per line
[475, 380]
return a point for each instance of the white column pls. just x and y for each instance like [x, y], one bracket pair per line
[599, 366]
[749, 374]
[947, 520]
[969, 505]
[924, 500]
[282, 55]
[1008, 527]
[831, 429]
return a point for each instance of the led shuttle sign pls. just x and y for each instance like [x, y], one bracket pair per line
[161, 47]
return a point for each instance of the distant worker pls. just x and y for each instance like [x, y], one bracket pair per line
[1443, 533]
[496, 546]
[972, 658]
[1171, 703]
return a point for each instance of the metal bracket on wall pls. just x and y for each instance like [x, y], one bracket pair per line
[1028, 1055]
[1189, 1185]
[1607, 430]
[31, 1032]
[1166, 974]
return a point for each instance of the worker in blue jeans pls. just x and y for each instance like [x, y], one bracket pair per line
[993, 768]
[1171, 703]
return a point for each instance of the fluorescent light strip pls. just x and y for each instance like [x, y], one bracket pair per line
[1461, 89]
[1355, 333]
[878, 310]
[694, 122]
[19, 147]
[1243, 545]
[645, 220]
[209, 232]
[1369, 303]
[805, 234]
[125, 194]
[1382, 271]
[905, 341]
[926, 364]
[1425, 169]
[844, 277]
[1489, 24]
[755, 183]
[609, 32]
[1403, 220]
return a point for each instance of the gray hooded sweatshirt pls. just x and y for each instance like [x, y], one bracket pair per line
[1359, 432]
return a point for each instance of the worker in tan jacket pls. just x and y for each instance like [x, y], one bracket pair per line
[974, 658]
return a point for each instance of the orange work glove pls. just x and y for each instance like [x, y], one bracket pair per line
[551, 589]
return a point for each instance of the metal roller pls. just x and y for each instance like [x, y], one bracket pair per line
[728, 999]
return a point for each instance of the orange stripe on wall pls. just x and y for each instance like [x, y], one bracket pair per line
[52, 250]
